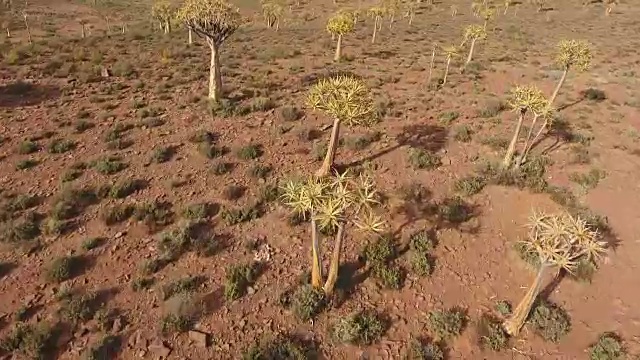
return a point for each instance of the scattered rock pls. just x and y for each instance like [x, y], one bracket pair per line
[199, 338]
[160, 349]
[120, 234]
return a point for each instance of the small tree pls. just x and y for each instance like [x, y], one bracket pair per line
[450, 52]
[83, 25]
[546, 113]
[215, 21]
[487, 15]
[338, 25]
[473, 33]
[571, 54]
[376, 13]
[539, 4]
[523, 99]
[507, 5]
[333, 205]
[272, 13]
[163, 12]
[609, 4]
[432, 62]
[348, 101]
[392, 7]
[558, 241]
[410, 11]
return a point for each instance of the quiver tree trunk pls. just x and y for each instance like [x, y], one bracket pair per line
[375, 30]
[332, 277]
[446, 71]
[8, 32]
[508, 157]
[167, 26]
[215, 77]
[560, 83]
[316, 266]
[26, 24]
[190, 36]
[325, 169]
[84, 31]
[124, 28]
[514, 323]
[471, 48]
[338, 54]
[433, 58]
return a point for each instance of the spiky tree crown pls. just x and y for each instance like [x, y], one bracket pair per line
[335, 200]
[574, 53]
[344, 98]
[487, 13]
[562, 240]
[474, 32]
[162, 10]
[528, 98]
[341, 23]
[451, 51]
[377, 11]
[272, 9]
[215, 19]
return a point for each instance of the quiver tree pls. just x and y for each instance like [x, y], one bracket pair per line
[334, 205]
[83, 28]
[163, 12]
[392, 7]
[524, 99]
[432, 62]
[338, 25]
[507, 5]
[609, 4]
[410, 10]
[376, 12]
[547, 114]
[539, 4]
[272, 13]
[558, 241]
[450, 52]
[215, 21]
[347, 100]
[571, 54]
[472, 34]
[487, 15]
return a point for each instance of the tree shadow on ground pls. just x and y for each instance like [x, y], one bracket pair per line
[21, 93]
[431, 138]
[7, 268]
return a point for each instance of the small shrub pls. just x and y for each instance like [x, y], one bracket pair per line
[389, 276]
[26, 164]
[250, 152]
[202, 136]
[307, 302]
[185, 285]
[290, 113]
[162, 154]
[211, 151]
[154, 214]
[423, 159]
[362, 142]
[261, 103]
[92, 243]
[491, 333]
[549, 321]
[60, 146]
[594, 94]
[28, 147]
[237, 280]
[109, 165]
[76, 307]
[462, 133]
[62, 268]
[492, 108]
[454, 210]
[260, 171]
[503, 307]
[495, 143]
[117, 214]
[175, 323]
[31, 341]
[122, 189]
[359, 329]
[280, 348]
[380, 251]
[197, 211]
[447, 117]
[81, 126]
[222, 168]
[268, 193]
[447, 323]
[233, 192]
[418, 351]
[589, 180]
[470, 185]
[608, 347]
[143, 283]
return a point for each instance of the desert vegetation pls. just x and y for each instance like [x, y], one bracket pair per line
[455, 182]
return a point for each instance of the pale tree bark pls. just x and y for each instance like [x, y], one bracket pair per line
[332, 277]
[527, 143]
[338, 49]
[513, 325]
[329, 157]
[375, 30]
[124, 28]
[508, 157]
[560, 83]
[316, 266]
[471, 48]
[84, 31]
[215, 76]
[8, 32]
[26, 24]
[433, 58]
[190, 36]
[446, 71]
